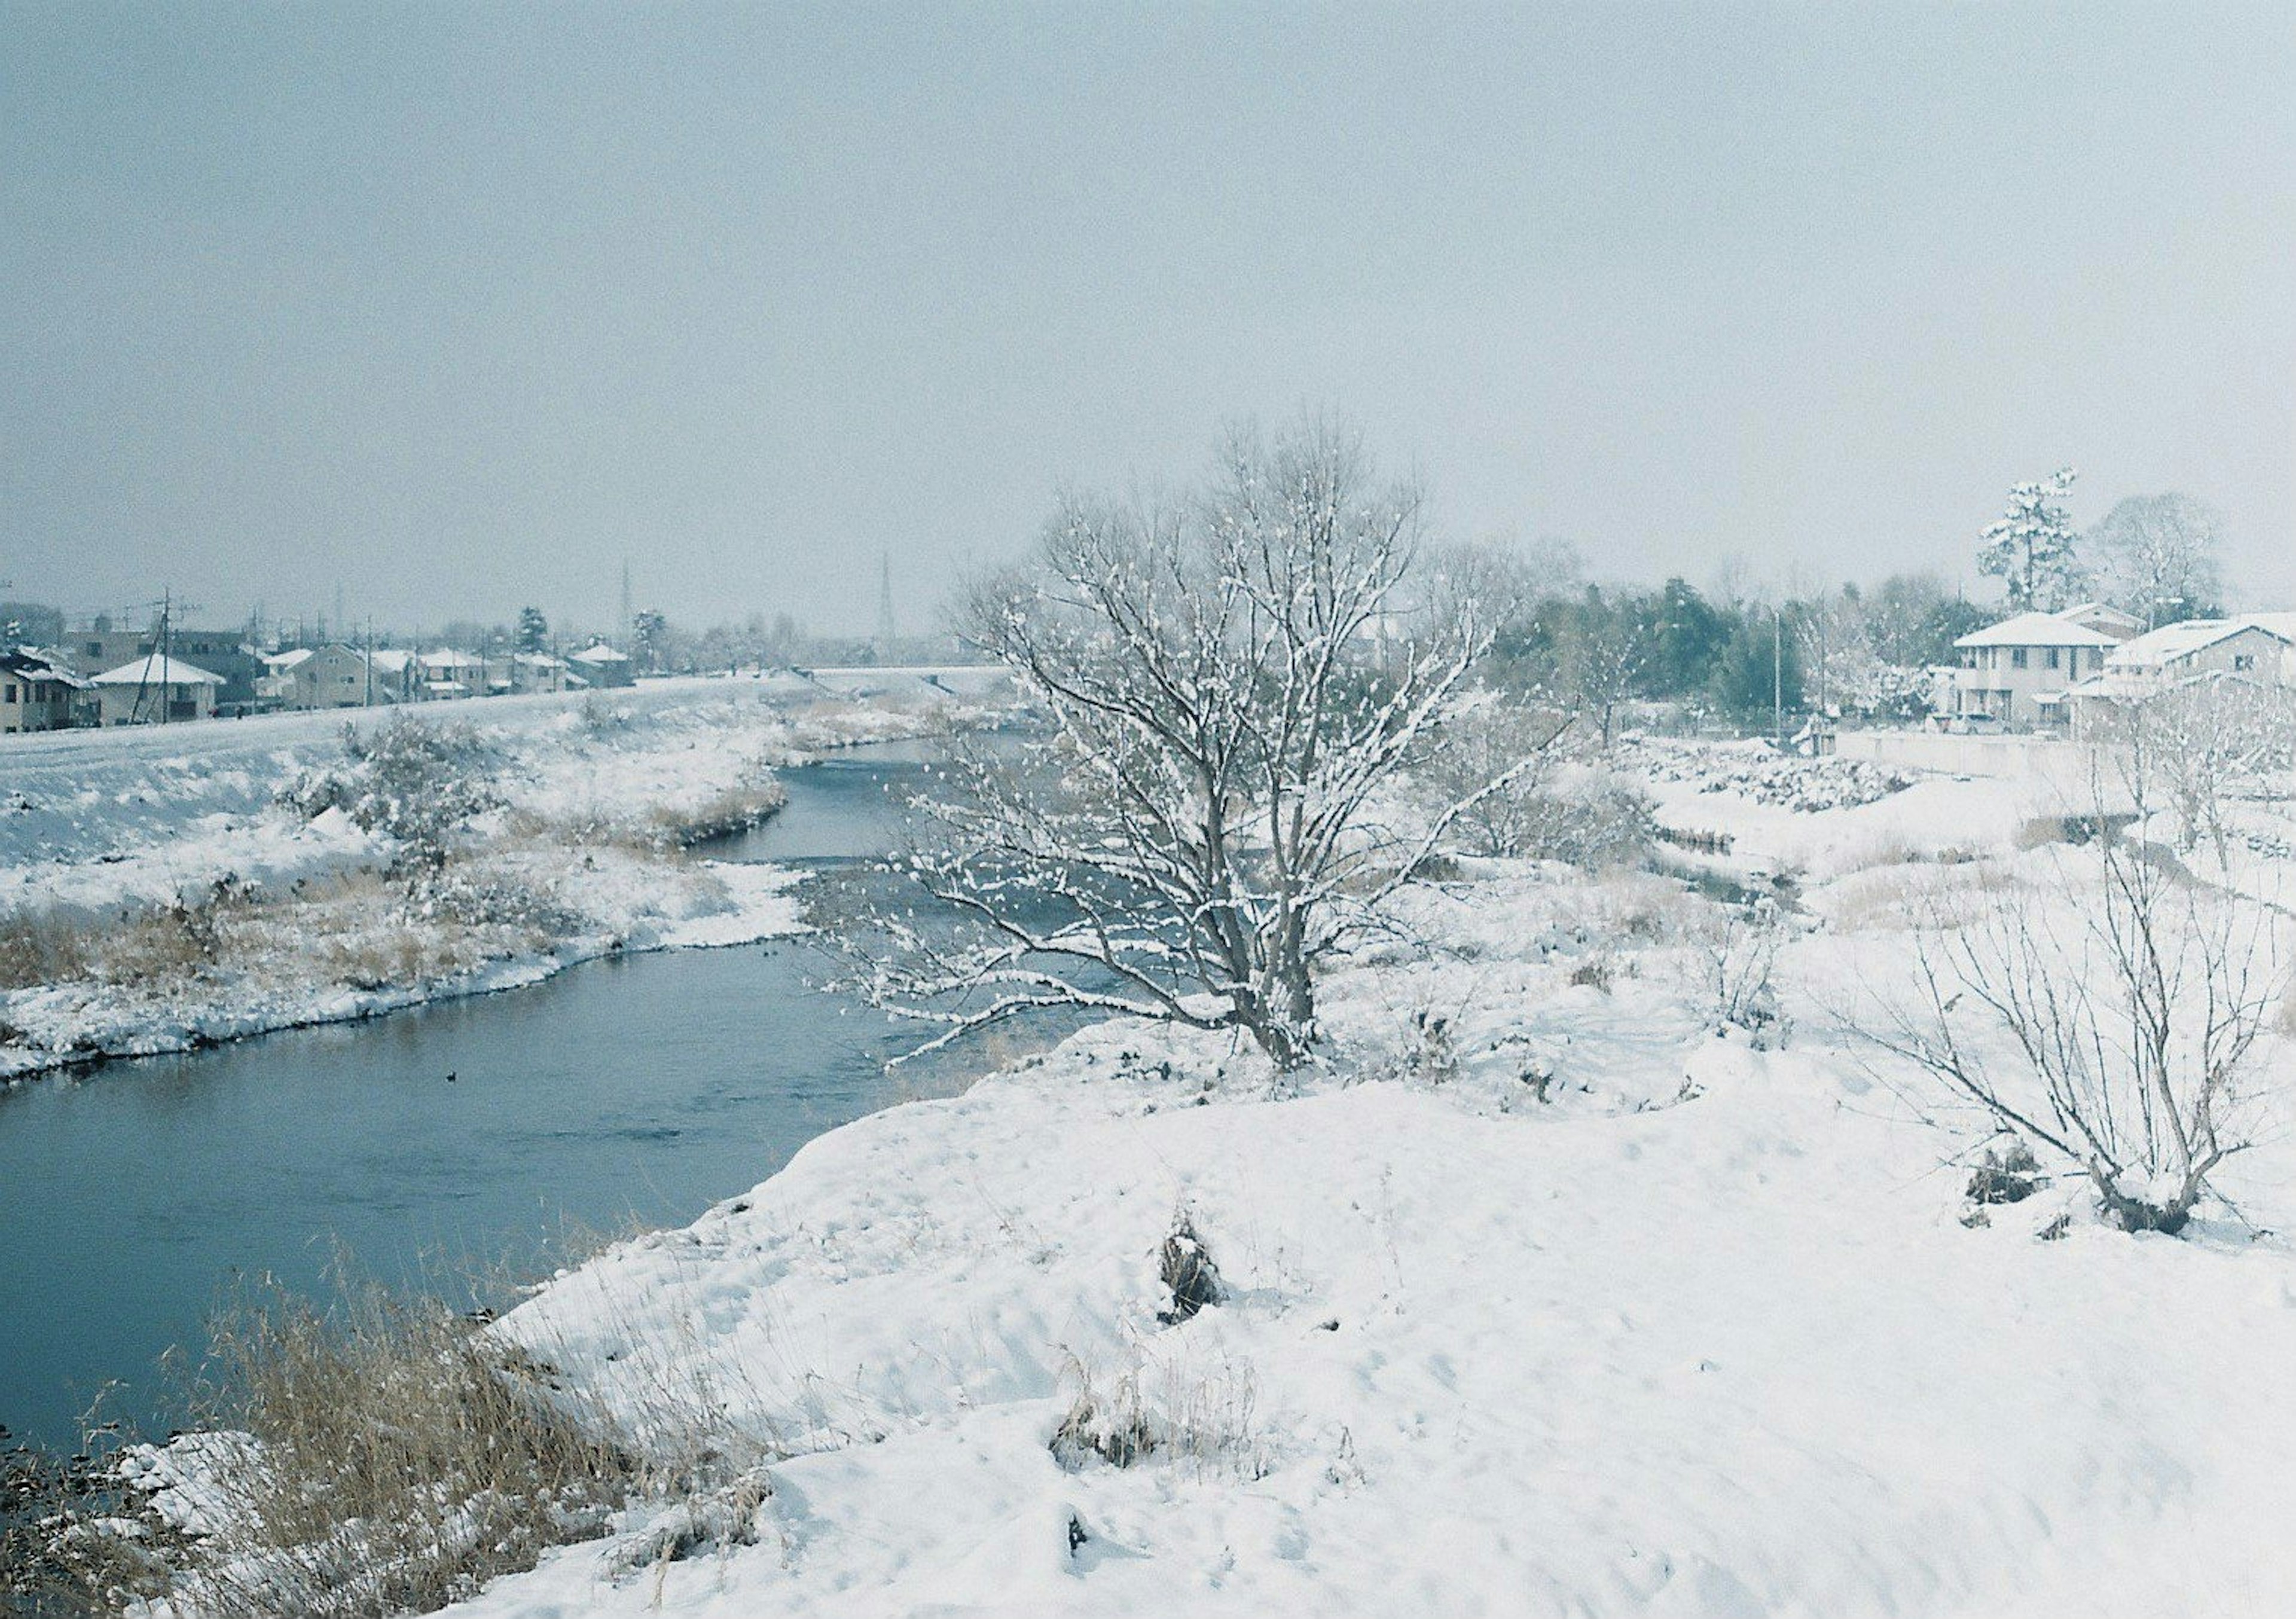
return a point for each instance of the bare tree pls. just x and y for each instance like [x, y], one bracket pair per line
[2158, 556]
[1229, 683]
[2109, 1019]
[2210, 742]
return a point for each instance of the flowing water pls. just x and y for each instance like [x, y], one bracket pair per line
[641, 1088]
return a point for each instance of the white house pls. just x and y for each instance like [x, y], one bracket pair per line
[2259, 647]
[152, 689]
[2015, 674]
[332, 676]
[447, 673]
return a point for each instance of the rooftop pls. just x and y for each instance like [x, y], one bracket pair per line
[2038, 630]
[156, 671]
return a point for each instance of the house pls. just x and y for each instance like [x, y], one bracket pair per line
[2015, 674]
[602, 666]
[446, 675]
[539, 672]
[154, 689]
[331, 676]
[35, 693]
[397, 676]
[222, 653]
[2259, 649]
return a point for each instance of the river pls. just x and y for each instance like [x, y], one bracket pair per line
[640, 1090]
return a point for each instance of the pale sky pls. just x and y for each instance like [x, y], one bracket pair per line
[456, 307]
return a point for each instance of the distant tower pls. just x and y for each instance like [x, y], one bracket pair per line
[884, 604]
[622, 639]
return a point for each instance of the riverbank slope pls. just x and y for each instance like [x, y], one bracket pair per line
[162, 889]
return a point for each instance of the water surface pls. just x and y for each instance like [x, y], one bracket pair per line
[642, 1089]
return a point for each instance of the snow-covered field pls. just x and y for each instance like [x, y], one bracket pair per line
[1558, 1292]
[182, 903]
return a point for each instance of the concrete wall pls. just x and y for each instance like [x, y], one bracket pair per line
[2054, 767]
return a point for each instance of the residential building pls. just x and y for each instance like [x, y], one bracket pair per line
[35, 692]
[2258, 648]
[601, 664]
[331, 676]
[2014, 675]
[154, 689]
[222, 653]
[446, 674]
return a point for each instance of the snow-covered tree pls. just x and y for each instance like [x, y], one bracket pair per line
[533, 630]
[650, 635]
[2031, 549]
[2107, 1014]
[2157, 557]
[2207, 745]
[1230, 682]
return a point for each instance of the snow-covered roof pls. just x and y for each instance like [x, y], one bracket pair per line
[538, 660]
[2037, 629]
[446, 657]
[25, 664]
[284, 661]
[601, 653]
[2174, 643]
[156, 671]
[2097, 614]
[390, 661]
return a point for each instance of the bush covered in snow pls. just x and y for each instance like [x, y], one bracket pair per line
[417, 782]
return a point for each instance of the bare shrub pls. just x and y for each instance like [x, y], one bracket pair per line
[1204, 1420]
[1594, 971]
[193, 934]
[1739, 957]
[2109, 1020]
[43, 947]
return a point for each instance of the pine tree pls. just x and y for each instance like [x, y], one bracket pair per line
[2031, 548]
[533, 630]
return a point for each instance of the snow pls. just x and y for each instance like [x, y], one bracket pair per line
[98, 826]
[1704, 1333]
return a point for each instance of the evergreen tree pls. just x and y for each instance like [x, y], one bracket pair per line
[2031, 548]
[533, 630]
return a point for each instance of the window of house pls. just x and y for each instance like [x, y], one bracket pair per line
[11, 691]
[2242, 662]
[2017, 658]
[2053, 658]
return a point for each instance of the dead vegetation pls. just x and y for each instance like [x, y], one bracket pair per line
[380, 1455]
[1202, 1420]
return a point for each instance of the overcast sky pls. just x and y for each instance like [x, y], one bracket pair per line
[456, 306]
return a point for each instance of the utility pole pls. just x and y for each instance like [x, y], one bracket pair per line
[1778, 671]
[368, 659]
[623, 636]
[884, 605]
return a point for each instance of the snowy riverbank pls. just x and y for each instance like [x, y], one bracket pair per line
[139, 917]
[1576, 1285]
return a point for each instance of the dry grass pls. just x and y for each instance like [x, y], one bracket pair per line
[388, 1455]
[43, 947]
[1201, 1419]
